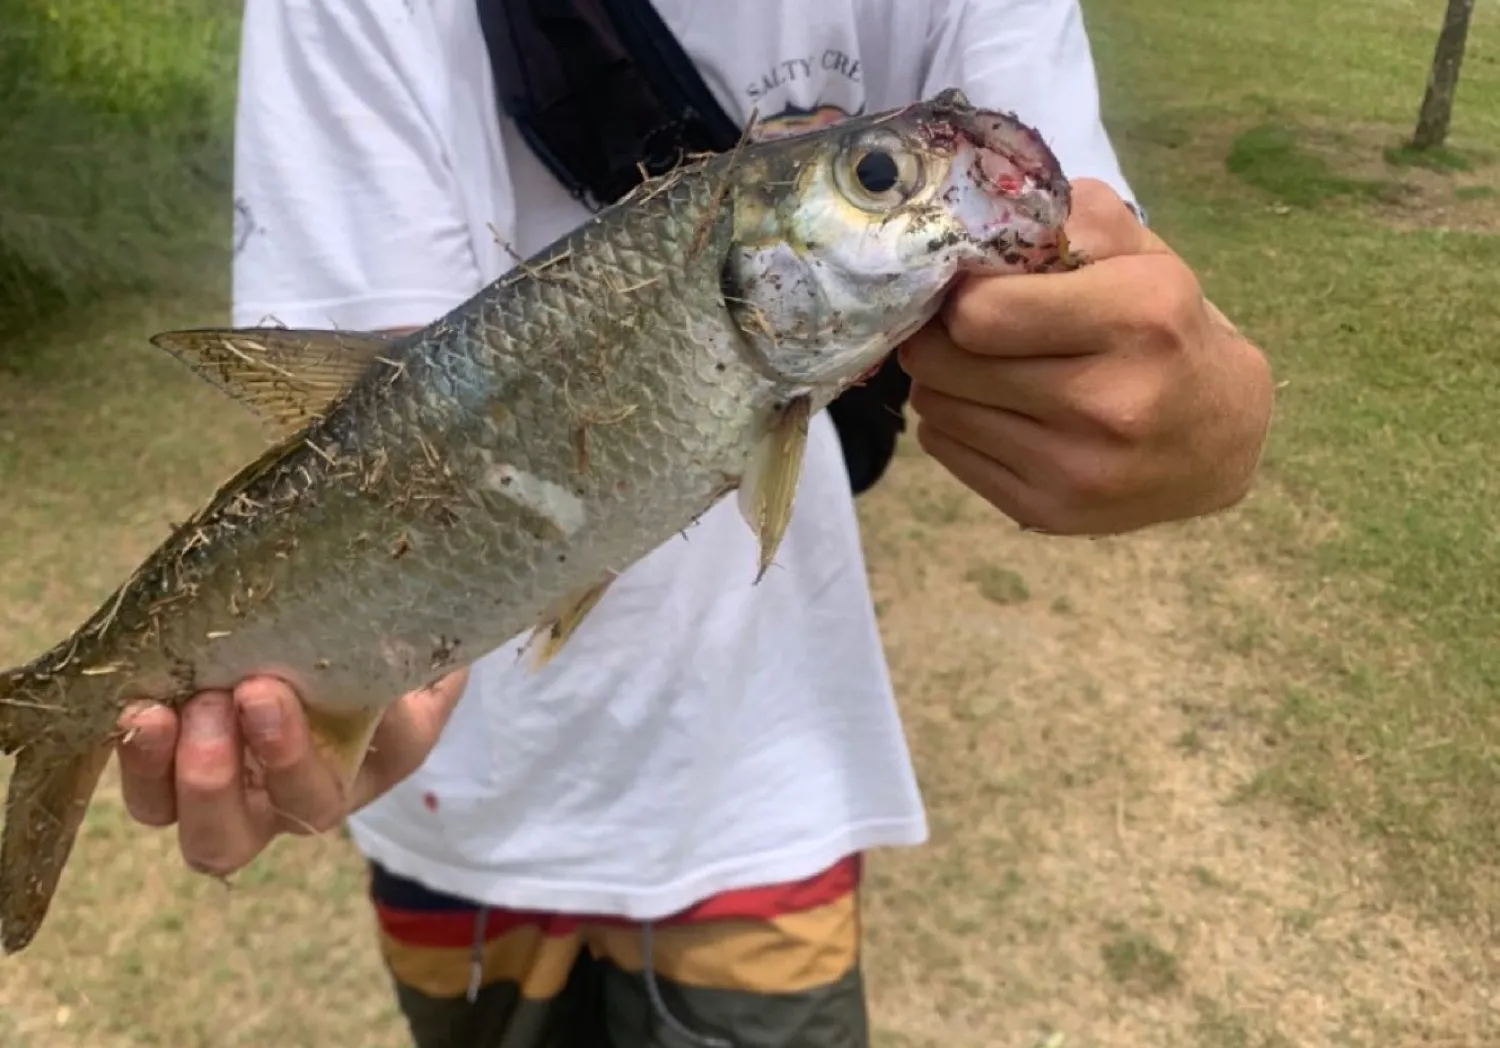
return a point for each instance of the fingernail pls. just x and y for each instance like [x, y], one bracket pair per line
[135, 733]
[133, 714]
[261, 716]
[203, 719]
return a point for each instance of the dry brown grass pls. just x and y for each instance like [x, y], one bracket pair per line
[1083, 715]
[1095, 869]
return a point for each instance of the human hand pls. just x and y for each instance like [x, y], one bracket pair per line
[243, 768]
[1096, 401]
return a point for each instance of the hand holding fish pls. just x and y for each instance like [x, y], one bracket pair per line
[1096, 401]
[244, 769]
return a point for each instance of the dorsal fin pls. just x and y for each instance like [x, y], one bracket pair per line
[288, 376]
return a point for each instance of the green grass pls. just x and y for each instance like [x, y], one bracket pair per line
[1438, 158]
[1387, 692]
[1138, 962]
[116, 146]
[1476, 192]
[999, 584]
[1270, 157]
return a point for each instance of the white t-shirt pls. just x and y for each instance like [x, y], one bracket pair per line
[698, 733]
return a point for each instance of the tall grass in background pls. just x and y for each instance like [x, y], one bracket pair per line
[115, 135]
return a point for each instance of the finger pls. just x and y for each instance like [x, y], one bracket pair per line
[216, 830]
[1054, 389]
[1101, 225]
[998, 484]
[406, 735]
[146, 764]
[1107, 395]
[1015, 443]
[1047, 481]
[1139, 297]
[304, 793]
[932, 359]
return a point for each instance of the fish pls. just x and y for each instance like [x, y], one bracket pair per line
[428, 497]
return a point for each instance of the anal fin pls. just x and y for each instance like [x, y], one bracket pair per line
[342, 738]
[769, 484]
[288, 376]
[554, 631]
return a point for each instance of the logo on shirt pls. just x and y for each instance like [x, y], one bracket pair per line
[832, 63]
[796, 120]
[799, 86]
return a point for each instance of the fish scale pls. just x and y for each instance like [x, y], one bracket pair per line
[521, 519]
[430, 498]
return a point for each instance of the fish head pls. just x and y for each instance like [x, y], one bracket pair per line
[846, 239]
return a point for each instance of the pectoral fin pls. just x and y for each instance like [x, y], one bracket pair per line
[342, 737]
[555, 630]
[769, 484]
[288, 376]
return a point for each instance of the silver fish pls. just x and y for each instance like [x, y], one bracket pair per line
[433, 496]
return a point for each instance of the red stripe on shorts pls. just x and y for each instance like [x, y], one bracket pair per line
[455, 928]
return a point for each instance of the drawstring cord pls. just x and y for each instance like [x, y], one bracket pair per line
[653, 991]
[476, 954]
[660, 1006]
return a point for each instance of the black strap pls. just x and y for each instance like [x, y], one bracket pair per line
[600, 89]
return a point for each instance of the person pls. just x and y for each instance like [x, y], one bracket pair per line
[658, 839]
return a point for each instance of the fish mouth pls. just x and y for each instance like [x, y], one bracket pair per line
[1004, 185]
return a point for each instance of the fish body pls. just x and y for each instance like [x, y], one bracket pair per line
[431, 497]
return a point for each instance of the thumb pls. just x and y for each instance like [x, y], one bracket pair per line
[1101, 225]
[406, 735]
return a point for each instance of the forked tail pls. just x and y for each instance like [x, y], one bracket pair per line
[50, 788]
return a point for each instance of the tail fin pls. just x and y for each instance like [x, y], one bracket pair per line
[50, 788]
[12, 702]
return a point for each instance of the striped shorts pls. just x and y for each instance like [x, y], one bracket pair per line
[773, 966]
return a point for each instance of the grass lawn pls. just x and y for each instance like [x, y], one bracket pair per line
[1263, 151]
[1229, 784]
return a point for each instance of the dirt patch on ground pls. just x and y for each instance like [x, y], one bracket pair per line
[1082, 743]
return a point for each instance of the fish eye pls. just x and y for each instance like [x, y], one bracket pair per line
[879, 175]
[877, 171]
